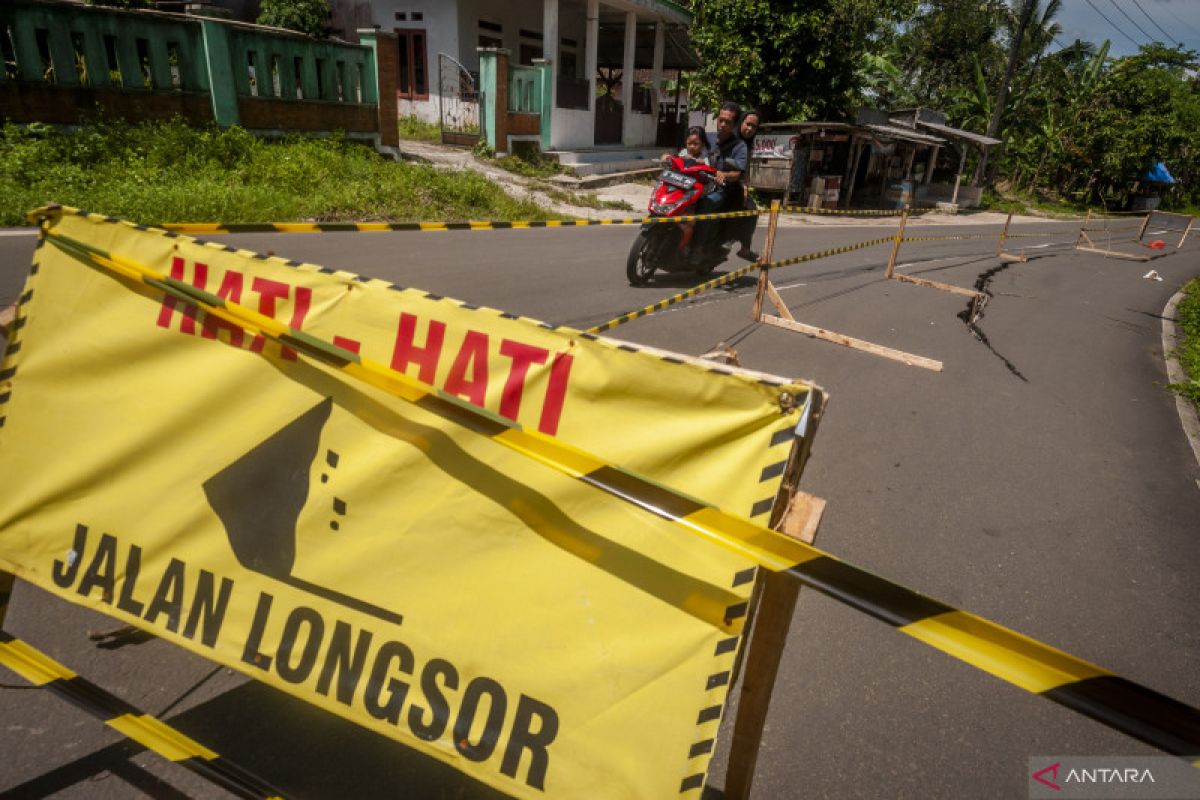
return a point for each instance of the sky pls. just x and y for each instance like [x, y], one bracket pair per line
[1085, 19]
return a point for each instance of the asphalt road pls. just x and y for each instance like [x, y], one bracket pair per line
[1041, 480]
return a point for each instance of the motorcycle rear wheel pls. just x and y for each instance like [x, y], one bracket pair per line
[639, 267]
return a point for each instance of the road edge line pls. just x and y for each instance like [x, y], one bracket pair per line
[1188, 417]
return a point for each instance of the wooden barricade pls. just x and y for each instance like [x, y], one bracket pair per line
[1085, 243]
[928, 284]
[1181, 223]
[766, 291]
[1000, 252]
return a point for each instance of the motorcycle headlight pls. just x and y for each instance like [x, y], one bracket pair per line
[662, 208]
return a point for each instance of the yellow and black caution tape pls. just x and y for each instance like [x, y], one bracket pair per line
[1072, 232]
[1111, 230]
[965, 236]
[852, 212]
[463, 225]
[153, 734]
[950, 238]
[1121, 704]
[729, 278]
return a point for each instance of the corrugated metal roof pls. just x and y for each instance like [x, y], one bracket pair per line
[959, 133]
[907, 134]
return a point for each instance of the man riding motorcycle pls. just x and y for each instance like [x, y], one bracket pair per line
[731, 158]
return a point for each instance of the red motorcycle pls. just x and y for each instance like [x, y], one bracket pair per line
[673, 247]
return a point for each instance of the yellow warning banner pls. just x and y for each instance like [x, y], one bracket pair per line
[367, 555]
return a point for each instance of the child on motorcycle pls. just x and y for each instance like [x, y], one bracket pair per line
[694, 151]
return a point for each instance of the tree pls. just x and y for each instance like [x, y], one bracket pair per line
[945, 43]
[791, 60]
[1014, 53]
[305, 16]
[1145, 107]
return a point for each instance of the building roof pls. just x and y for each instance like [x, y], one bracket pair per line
[959, 133]
[669, 10]
[677, 49]
[906, 134]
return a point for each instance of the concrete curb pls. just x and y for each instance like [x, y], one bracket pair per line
[1188, 417]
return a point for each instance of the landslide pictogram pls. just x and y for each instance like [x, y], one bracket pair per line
[258, 499]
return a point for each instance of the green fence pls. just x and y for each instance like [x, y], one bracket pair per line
[524, 89]
[68, 45]
[46, 43]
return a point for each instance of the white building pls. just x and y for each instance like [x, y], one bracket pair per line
[583, 40]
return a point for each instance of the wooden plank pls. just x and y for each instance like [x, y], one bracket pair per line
[777, 594]
[7, 315]
[6, 588]
[777, 301]
[1083, 228]
[945, 287]
[1186, 231]
[1114, 253]
[723, 353]
[1142, 230]
[803, 517]
[854, 344]
[1003, 236]
[891, 265]
[765, 258]
[1013, 257]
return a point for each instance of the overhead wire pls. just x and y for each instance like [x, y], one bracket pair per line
[1155, 23]
[1167, 7]
[1114, 25]
[1131, 20]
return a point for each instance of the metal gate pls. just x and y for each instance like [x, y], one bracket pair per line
[458, 103]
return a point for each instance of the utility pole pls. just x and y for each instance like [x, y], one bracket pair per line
[1014, 53]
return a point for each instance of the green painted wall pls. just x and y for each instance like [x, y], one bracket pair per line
[102, 47]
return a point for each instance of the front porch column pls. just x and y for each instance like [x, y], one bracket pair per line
[589, 56]
[627, 77]
[550, 45]
[545, 101]
[659, 33]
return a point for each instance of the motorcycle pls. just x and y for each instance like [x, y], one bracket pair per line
[674, 247]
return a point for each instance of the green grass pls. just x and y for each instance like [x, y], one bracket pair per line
[531, 165]
[586, 200]
[169, 172]
[415, 128]
[1188, 326]
[1027, 204]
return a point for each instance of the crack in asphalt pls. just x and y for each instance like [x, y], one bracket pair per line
[973, 313]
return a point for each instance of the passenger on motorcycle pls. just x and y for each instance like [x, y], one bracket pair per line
[730, 158]
[693, 151]
[744, 227]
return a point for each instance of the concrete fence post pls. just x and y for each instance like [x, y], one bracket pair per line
[379, 82]
[220, 73]
[545, 69]
[493, 97]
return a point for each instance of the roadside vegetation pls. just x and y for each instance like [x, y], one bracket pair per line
[1188, 352]
[1008, 200]
[1079, 125]
[416, 129]
[584, 199]
[168, 172]
[528, 165]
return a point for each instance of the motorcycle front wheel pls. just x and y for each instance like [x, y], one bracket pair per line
[640, 265]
